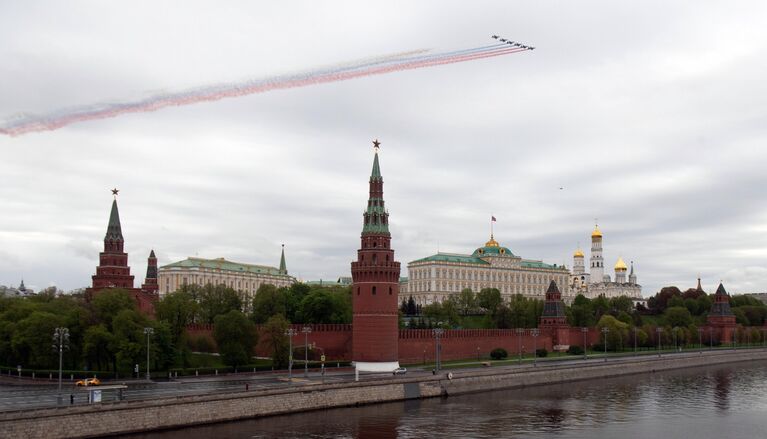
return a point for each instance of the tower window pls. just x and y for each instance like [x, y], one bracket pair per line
[374, 291]
[375, 244]
[358, 291]
[390, 291]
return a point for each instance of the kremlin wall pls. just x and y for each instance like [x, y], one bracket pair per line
[374, 341]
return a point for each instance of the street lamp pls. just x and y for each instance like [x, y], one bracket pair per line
[148, 332]
[535, 333]
[605, 330]
[700, 340]
[60, 342]
[306, 330]
[519, 332]
[437, 346]
[673, 332]
[635, 340]
[710, 338]
[585, 331]
[290, 332]
[477, 354]
[658, 331]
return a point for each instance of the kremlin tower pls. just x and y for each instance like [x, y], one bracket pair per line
[375, 288]
[113, 270]
[597, 263]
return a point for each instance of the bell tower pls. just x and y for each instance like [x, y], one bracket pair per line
[375, 287]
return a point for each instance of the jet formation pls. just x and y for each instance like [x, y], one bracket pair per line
[512, 43]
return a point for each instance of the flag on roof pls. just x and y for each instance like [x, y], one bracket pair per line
[492, 218]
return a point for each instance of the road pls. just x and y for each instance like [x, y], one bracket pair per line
[22, 397]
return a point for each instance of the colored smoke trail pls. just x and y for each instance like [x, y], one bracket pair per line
[341, 72]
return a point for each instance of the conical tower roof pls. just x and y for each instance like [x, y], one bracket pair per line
[375, 174]
[114, 230]
[553, 288]
[283, 267]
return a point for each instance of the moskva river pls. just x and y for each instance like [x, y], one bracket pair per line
[708, 403]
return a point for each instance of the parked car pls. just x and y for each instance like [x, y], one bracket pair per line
[89, 382]
[400, 371]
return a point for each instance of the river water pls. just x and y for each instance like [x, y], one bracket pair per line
[704, 403]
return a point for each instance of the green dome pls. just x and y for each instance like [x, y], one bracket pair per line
[492, 251]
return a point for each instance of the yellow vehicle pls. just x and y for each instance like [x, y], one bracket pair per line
[89, 382]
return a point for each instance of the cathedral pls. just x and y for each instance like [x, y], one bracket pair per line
[595, 282]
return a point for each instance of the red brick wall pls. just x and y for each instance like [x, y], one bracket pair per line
[417, 344]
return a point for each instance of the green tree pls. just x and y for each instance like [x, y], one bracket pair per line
[32, 340]
[677, 316]
[467, 302]
[621, 304]
[618, 331]
[128, 343]
[274, 333]
[108, 303]
[96, 348]
[178, 309]
[326, 306]
[489, 299]
[218, 300]
[269, 301]
[236, 337]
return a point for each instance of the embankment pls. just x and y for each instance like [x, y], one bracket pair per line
[135, 416]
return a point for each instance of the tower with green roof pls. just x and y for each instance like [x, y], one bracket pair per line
[375, 286]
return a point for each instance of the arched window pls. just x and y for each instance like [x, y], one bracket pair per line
[374, 291]
[390, 291]
[374, 258]
[358, 291]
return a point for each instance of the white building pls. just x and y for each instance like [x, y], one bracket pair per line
[596, 283]
[245, 278]
[437, 277]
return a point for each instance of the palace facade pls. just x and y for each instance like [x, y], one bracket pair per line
[245, 278]
[437, 277]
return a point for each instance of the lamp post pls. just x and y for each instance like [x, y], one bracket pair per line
[306, 330]
[585, 331]
[437, 347]
[605, 330]
[60, 342]
[290, 332]
[658, 331]
[477, 354]
[148, 332]
[710, 338]
[535, 333]
[673, 332]
[635, 340]
[700, 340]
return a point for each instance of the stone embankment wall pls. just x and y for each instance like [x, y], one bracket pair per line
[125, 417]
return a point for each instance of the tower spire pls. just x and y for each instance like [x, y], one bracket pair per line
[283, 267]
[376, 218]
[114, 230]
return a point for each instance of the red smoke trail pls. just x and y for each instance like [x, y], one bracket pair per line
[47, 125]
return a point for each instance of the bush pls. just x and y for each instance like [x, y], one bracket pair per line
[498, 354]
[575, 350]
[540, 353]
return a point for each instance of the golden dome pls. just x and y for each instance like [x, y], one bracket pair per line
[620, 265]
[578, 254]
[596, 233]
[492, 242]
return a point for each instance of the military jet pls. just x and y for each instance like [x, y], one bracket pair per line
[495, 37]
[503, 40]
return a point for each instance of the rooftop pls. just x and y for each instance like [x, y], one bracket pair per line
[223, 264]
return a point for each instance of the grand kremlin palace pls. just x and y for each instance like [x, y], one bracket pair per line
[437, 277]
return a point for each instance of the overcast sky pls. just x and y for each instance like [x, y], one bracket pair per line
[651, 118]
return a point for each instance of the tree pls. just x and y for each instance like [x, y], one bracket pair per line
[274, 331]
[600, 305]
[97, 341]
[326, 306]
[236, 337]
[466, 302]
[621, 304]
[218, 300]
[678, 316]
[411, 308]
[108, 303]
[489, 299]
[178, 309]
[269, 301]
[32, 340]
[617, 334]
